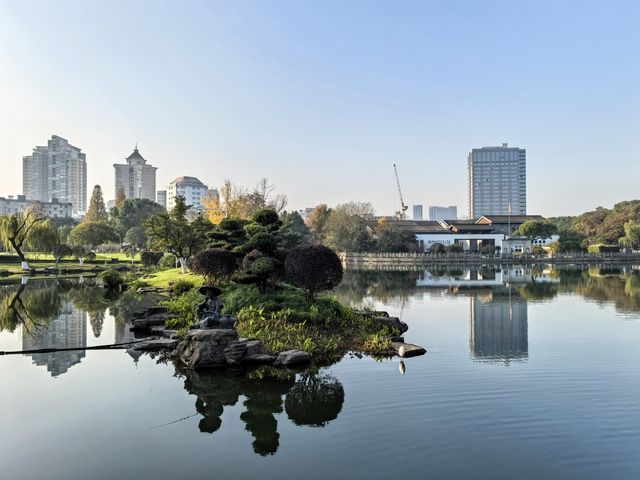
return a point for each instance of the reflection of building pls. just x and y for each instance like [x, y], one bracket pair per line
[67, 330]
[499, 329]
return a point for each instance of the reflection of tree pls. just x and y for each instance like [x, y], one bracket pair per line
[92, 300]
[538, 291]
[385, 286]
[314, 400]
[30, 306]
[122, 306]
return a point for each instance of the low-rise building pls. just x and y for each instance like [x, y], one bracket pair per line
[53, 209]
[161, 198]
[192, 189]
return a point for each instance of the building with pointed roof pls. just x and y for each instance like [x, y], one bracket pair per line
[137, 178]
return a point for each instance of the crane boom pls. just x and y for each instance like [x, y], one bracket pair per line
[403, 208]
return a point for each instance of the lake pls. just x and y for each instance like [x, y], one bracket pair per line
[529, 374]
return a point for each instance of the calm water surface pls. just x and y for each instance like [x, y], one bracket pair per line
[529, 374]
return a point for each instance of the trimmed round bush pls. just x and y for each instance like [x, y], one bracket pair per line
[315, 269]
[111, 278]
[266, 217]
[150, 259]
[167, 261]
[214, 264]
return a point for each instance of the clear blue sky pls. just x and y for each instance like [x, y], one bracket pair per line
[323, 97]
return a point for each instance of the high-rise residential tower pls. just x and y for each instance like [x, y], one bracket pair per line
[497, 181]
[57, 171]
[192, 189]
[443, 213]
[136, 178]
[417, 212]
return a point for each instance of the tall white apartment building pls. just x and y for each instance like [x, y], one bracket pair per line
[192, 189]
[136, 178]
[443, 213]
[58, 171]
[497, 181]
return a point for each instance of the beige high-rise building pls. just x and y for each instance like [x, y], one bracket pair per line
[136, 178]
[57, 171]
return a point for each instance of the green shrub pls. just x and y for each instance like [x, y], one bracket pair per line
[214, 264]
[603, 249]
[182, 310]
[150, 258]
[315, 269]
[111, 278]
[167, 262]
[182, 286]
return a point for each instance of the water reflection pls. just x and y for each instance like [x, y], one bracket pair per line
[498, 328]
[310, 399]
[67, 330]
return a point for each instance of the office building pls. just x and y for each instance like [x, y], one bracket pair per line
[52, 209]
[59, 171]
[192, 189]
[161, 198]
[136, 178]
[443, 213]
[417, 212]
[497, 181]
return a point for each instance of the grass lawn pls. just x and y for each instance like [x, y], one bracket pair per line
[162, 279]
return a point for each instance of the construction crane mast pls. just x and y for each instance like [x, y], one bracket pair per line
[401, 214]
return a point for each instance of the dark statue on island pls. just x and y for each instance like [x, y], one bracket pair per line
[209, 311]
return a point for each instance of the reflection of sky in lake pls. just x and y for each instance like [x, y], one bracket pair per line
[553, 394]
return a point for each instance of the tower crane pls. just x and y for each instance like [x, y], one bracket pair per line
[401, 214]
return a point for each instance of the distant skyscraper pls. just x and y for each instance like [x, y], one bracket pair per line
[192, 189]
[161, 198]
[58, 171]
[443, 213]
[417, 212]
[136, 177]
[497, 181]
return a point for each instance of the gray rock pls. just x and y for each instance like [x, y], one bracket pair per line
[406, 350]
[235, 352]
[151, 311]
[393, 322]
[254, 347]
[292, 357]
[212, 322]
[260, 358]
[205, 348]
[154, 344]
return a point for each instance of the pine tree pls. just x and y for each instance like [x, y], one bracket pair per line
[97, 211]
[120, 198]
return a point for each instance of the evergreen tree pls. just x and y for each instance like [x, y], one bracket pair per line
[120, 198]
[97, 211]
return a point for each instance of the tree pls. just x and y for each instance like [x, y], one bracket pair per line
[631, 238]
[293, 231]
[134, 212]
[15, 229]
[96, 211]
[120, 198]
[391, 238]
[536, 230]
[315, 269]
[317, 222]
[136, 238]
[92, 234]
[171, 232]
[346, 228]
[214, 264]
[46, 238]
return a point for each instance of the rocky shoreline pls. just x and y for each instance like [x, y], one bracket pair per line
[209, 346]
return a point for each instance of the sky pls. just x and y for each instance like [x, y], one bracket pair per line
[323, 97]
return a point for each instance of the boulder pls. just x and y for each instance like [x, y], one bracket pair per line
[292, 357]
[406, 350]
[142, 324]
[212, 322]
[154, 344]
[151, 311]
[254, 347]
[205, 348]
[259, 358]
[393, 322]
[235, 352]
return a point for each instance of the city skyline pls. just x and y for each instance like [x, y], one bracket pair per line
[308, 94]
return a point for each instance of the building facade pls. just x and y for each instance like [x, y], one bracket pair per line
[417, 212]
[136, 178]
[497, 181]
[161, 198]
[192, 189]
[443, 213]
[59, 171]
[53, 209]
